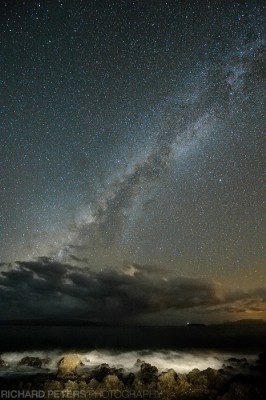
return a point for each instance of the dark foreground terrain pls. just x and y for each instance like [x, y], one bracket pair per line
[238, 379]
[101, 362]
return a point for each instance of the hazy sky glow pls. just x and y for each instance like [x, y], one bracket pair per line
[132, 160]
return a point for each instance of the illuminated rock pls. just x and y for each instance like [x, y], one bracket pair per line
[34, 362]
[112, 382]
[68, 364]
[3, 364]
[168, 384]
[148, 373]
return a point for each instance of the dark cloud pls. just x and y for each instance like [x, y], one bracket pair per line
[47, 288]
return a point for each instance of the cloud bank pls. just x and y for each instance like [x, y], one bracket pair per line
[48, 288]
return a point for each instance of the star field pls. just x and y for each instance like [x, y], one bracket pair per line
[132, 133]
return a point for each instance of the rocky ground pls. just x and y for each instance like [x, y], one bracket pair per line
[237, 380]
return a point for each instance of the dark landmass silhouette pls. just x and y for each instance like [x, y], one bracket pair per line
[247, 321]
[51, 322]
[85, 322]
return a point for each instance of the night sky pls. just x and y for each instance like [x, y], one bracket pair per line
[131, 160]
